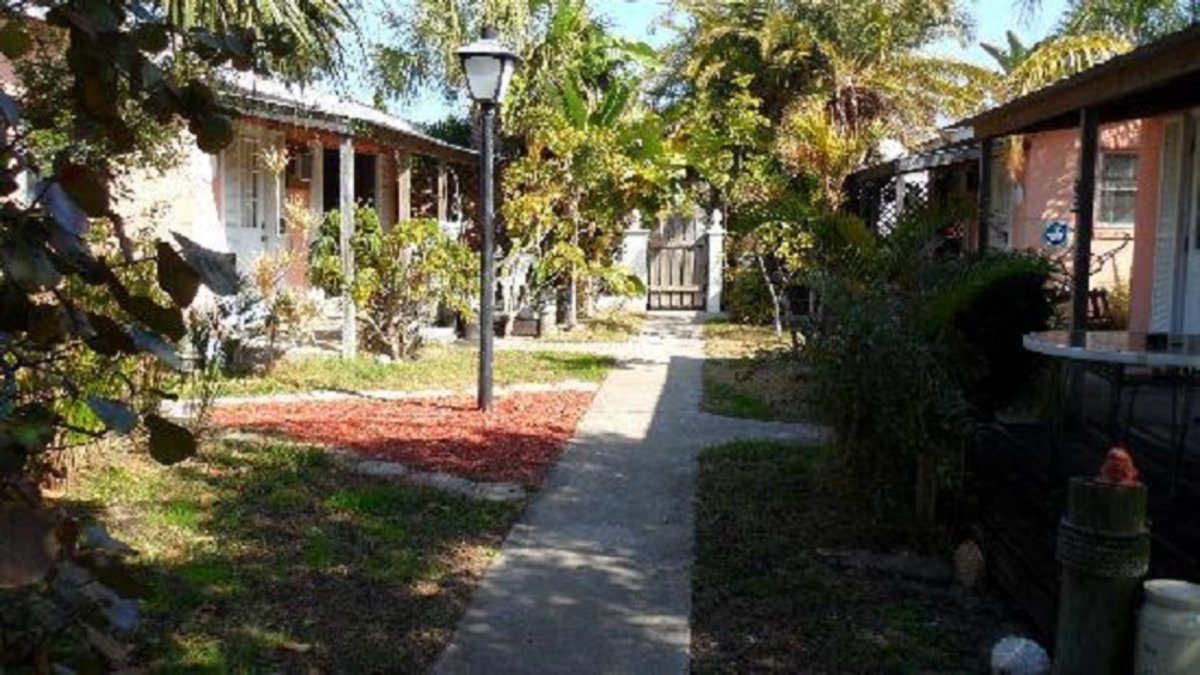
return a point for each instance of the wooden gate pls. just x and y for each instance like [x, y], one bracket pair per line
[678, 263]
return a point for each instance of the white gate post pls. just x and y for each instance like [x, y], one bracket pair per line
[635, 257]
[716, 263]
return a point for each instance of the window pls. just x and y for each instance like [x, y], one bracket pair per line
[1118, 189]
[244, 185]
[251, 184]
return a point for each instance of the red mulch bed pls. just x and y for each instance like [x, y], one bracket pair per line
[517, 442]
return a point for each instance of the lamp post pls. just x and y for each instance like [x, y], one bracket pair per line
[489, 67]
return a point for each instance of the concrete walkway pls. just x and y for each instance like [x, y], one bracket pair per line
[597, 576]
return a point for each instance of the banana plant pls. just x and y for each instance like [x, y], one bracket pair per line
[1012, 56]
[594, 96]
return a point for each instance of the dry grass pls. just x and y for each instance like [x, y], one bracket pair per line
[763, 600]
[448, 367]
[749, 373]
[606, 327]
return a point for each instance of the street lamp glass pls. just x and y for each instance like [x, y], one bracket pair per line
[489, 67]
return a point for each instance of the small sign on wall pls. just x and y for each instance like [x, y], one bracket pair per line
[1056, 233]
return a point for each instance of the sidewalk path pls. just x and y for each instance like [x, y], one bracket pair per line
[596, 578]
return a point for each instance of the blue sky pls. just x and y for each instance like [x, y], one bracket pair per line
[641, 20]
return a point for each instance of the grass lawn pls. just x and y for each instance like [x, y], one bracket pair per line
[272, 558]
[764, 601]
[606, 327]
[449, 367]
[748, 373]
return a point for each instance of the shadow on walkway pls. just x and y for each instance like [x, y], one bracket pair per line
[597, 575]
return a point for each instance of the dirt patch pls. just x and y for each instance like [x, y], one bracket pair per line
[518, 442]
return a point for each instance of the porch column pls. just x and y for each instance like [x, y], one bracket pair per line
[1085, 201]
[716, 263]
[378, 190]
[316, 186]
[443, 191]
[985, 193]
[403, 186]
[346, 207]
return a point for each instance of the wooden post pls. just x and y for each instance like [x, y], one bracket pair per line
[276, 232]
[985, 193]
[403, 186]
[346, 208]
[1085, 201]
[443, 192]
[316, 187]
[377, 189]
[1104, 549]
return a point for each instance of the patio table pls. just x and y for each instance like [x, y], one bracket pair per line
[1173, 357]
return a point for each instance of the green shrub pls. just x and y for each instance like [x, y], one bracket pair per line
[747, 298]
[1120, 301]
[401, 276]
[989, 359]
[912, 345]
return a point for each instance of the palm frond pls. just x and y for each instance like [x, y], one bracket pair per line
[1062, 57]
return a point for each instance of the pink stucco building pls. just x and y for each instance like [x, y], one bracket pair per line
[1041, 191]
[1140, 115]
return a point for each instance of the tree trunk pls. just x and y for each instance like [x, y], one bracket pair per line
[572, 283]
[926, 493]
[762, 267]
[572, 301]
[791, 324]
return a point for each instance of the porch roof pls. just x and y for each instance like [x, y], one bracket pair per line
[310, 107]
[1155, 79]
[948, 154]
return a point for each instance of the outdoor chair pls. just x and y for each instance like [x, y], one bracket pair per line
[1100, 315]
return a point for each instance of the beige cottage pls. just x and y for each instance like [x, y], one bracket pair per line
[300, 144]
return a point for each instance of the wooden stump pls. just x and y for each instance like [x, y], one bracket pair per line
[1104, 549]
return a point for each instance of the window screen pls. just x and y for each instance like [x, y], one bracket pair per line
[1118, 189]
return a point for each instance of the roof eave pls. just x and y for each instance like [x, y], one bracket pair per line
[1152, 66]
[285, 111]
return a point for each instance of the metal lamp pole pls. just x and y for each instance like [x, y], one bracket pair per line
[487, 262]
[488, 66]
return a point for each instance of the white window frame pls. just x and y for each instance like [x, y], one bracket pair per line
[1102, 189]
[251, 184]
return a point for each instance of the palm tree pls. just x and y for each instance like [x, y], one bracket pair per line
[428, 34]
[1089, 33]
[1059, 57]
[308, 31]
[1138, 21]
[870, 79]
